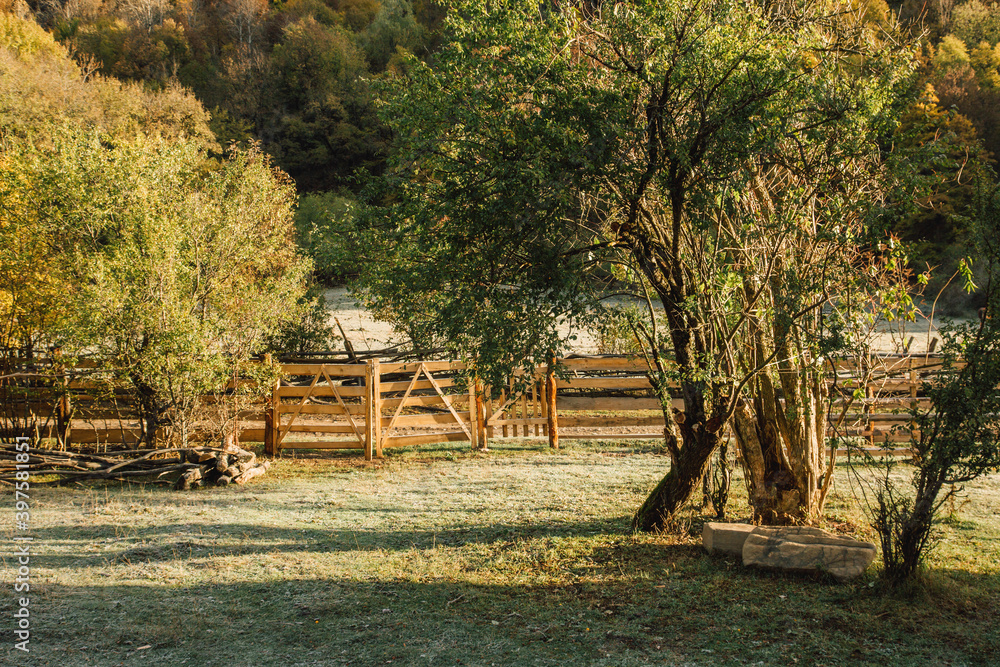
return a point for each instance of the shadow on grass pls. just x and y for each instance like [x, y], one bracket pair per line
[704, 611]
[172, 542]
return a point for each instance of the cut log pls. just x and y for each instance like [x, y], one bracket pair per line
[252, 472]
[244, 457]
[188, 479]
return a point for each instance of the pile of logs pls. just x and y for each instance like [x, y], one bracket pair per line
[183, 468]
[221, 467]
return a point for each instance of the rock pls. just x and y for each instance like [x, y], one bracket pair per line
[726, 538]
[807, 550]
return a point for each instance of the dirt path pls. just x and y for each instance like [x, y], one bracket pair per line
[367, 333]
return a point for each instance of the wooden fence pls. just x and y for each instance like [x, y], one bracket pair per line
[591, 397]
[376, 405]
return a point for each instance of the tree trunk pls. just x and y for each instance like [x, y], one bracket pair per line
[660, 510]
[774, 496]
[782, 447]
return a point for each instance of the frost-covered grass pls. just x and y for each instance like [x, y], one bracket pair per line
[438, 556]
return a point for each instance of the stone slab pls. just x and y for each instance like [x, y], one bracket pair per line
[726, 538]
[807, 550]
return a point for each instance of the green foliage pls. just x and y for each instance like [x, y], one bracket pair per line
[322, 222]
[615, 331]
[317, 9]
[328, 119]
[312, 331]
[985, 59]
[170, 274]
[47, 88]
[27, 39]
[951, 54]
[975, 21]
[948, 157]
[958, 439]
[393, 29]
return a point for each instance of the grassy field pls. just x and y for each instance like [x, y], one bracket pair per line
[442, 557]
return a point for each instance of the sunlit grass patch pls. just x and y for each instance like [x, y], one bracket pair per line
[440, 555]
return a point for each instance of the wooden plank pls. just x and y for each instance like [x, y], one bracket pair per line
[425, 439]
[473, 420]
[373, 418]
[315, 409]
[611, 404]
[524, 414]
[394, 387]
[322, 390]
[536, 405]
[414, 401]
[571, 422]
[482, 439]
[252, 434]
[85, 436]
[604, 383]
[432, 366]
[339, 370]
[322, 444]
[321, 427]
[488, 413]
[601, 436]
[630, 363]
[551, 407]
[413, 421]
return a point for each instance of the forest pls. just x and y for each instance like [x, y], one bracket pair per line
[300, 78]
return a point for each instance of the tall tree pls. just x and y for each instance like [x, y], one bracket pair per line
[171, 275]
[714, 148]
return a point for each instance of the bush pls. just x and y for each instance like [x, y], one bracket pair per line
[958, 439]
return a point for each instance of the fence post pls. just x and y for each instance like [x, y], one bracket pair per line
[480, 423]
[372, 413]
[473, 414]
[64, 424]
[550, 397]
[272, 418]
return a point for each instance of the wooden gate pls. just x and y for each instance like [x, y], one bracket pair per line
[425, 402]
[336, 401]
[370, 406]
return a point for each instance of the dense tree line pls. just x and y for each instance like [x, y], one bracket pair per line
[959, 60]
[125, 237]
[296, 76]
[289, 74]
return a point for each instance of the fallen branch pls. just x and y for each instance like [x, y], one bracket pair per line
[195, 466]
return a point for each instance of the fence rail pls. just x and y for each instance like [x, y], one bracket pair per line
[372, 406]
